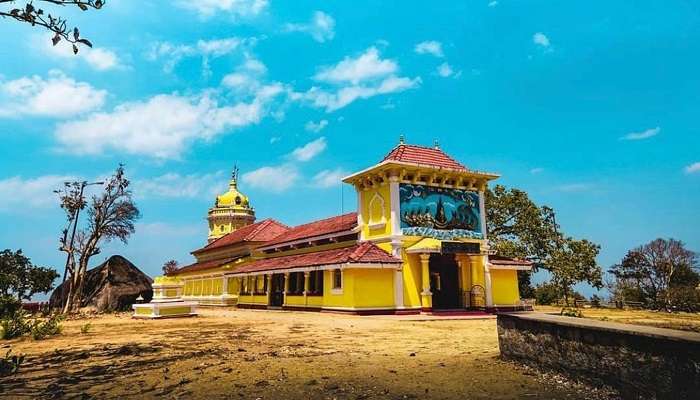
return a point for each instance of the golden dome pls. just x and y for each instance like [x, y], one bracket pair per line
[233, 198]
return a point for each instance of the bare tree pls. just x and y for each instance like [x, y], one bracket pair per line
[170, 266]
[111, 215]
[650, 270]
[57, 25]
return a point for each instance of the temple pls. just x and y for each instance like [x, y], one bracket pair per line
[417, 243]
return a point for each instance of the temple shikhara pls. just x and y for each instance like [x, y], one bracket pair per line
[417, 243]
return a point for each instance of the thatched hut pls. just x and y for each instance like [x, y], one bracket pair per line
[113, 285]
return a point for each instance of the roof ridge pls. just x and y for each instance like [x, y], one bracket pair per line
[360, 250]
[324, 219]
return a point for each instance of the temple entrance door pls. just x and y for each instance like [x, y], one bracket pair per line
[277, 290]
[444, 281]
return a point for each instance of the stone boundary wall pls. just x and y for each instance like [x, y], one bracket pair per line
[641, 362]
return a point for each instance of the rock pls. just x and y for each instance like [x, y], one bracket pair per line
[112, 286]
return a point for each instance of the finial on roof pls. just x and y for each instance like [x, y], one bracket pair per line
[401, 139]
[234, 174]
[436, 144]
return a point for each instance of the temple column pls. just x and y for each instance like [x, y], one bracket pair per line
[224, 286]
[487, 284]
[464, 278]
[268, 292]
[286, 288]
[426, 296]
[306, 286]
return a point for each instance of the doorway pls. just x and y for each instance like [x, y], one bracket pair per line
[277, 290]
[444, 281]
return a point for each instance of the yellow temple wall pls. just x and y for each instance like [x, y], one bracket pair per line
[412, 283]
[373, 288]
[505, 287]
[375, 208]
[333, 298]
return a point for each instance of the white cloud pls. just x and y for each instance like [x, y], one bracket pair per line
[101, 59]
[161, 229]
[692, 168]
[56, 96]
[173, 185]
[642, 135]
[275, 139]
[445, 70]
[360, 77]
[328, 178]
[161, 127]
[364, 67]
[540, 39]
[309, 150]
[18, 193]
[321, 27]
[335, 100]
[429, 47]
[172, 54]
[493, 3]
[316, 127]
[274, 179]
[536, 170]
[235, 8]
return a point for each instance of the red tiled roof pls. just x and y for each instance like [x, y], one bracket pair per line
[262, 231]
[362, 253]
[423, 155]
[199, 266]
[500, 260]
[321, 227]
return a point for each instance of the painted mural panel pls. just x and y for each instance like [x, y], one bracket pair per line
[439, 212]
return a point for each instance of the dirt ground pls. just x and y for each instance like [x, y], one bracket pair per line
[660, 319]
[246, 354]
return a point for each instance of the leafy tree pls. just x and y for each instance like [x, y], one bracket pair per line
[170, 266]
[573, 261]
[35, 16]
[111, 215]
[517, 227]
[20, 278]
[652, 271]
[547, 293]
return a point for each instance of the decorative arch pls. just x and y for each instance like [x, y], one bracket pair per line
[376, 211]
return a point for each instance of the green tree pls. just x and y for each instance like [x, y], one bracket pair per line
[20, 278]
[517, 227]
[27, 12]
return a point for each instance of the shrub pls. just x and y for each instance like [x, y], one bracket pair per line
[571, 312]
[9, 364]
[8, 305]
[85, 328]
[49, 327]
[15, 325]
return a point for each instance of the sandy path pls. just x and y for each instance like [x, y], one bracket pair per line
[273, 355]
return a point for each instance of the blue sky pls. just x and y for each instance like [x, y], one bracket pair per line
[591, 107]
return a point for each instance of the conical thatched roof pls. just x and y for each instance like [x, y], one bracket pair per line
[113, 285]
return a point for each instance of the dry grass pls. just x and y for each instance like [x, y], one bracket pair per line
[273, 355]
[683, 321]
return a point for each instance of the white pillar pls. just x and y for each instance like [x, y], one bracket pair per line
[487, 283]
[224, 286]
[360, 221]
[394, 205]
[398, 288]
